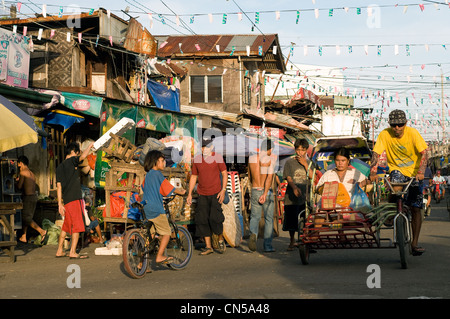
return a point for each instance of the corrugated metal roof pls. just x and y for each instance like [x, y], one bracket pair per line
[206, 44]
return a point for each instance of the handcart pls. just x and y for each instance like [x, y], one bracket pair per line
[383, 225]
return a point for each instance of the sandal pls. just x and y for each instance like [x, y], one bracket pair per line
[44, 238]
[417, 251]
[206, 251]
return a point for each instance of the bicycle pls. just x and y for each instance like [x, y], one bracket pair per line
[402, 221]
[142, 241]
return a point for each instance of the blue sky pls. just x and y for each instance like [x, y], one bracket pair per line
[412, 75]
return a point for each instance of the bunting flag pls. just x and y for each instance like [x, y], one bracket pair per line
[150, 17]
[233, 48]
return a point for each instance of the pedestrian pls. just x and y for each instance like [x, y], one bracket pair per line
[27, 183]
[407, 156]
[206, 170]
[262, 172]
[70, 202]
[155, 187]
[295, 173]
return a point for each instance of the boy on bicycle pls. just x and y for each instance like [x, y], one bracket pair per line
[155, 187]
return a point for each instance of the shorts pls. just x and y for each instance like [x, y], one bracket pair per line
[162, 225]
[29, 206]
[73, 218]
[290, 220]
[414, 198]
[208, 216]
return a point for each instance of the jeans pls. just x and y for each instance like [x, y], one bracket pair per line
[255, 216]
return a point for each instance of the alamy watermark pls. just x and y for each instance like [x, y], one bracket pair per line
[374, 279]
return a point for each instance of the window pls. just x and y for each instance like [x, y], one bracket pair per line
[206, 89]
[197, 89]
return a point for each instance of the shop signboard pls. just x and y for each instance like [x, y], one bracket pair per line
[87, 104]
[14, 58]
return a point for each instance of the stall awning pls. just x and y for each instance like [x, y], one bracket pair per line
[63, 118]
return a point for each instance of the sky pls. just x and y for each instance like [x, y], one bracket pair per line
[386, 54]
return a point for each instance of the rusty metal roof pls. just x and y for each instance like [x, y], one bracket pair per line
[190, 44]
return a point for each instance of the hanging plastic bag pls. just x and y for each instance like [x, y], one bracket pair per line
[343, 197]
[360, 201]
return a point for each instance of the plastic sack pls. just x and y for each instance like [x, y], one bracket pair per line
[133, 212]
[53, 233]
[117, 204]
[360, 201]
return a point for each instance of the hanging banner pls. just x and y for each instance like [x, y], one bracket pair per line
[87, 104]
[155, 120]
[111, 114]
[14, 58]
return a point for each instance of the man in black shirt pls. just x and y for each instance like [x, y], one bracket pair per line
[70, 203]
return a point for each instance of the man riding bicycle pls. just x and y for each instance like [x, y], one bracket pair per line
[438, 179]
[406, 153]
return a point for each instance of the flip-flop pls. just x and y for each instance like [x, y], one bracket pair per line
[207, 251]
[80, 257]
[417, 251]
[44, 239]
[166, 261]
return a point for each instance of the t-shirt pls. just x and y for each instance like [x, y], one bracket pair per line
[351, 174]
[155, 187]
[208, 170]
[297, 172]
[403, 153]
[68, 175]
[439, 179]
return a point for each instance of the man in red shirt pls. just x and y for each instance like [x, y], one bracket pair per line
[209, 218]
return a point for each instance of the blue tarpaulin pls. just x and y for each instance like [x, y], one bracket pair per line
[63, 118]
[164, 96]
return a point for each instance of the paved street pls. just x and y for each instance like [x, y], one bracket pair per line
[240, 273]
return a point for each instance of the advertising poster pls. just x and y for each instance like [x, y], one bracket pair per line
[15, 67]
[111, 114]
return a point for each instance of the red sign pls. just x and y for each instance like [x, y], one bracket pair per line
[269, 131]
[306, 95]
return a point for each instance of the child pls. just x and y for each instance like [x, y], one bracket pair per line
[155, 187]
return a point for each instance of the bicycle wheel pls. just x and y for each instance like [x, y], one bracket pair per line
[180, 248]
[135, 259]
[402, 241]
